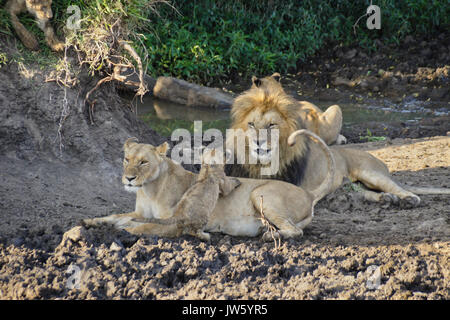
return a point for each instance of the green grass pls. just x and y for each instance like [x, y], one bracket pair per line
[371, 138]
[215, 40]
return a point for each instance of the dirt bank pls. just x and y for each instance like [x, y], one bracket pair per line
[56, 157]
[416, 68]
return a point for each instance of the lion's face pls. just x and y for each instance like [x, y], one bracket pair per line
[142, 164]
[264, 129]
[267, 111]
[42, 9]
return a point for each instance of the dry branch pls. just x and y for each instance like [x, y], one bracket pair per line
[269, 226]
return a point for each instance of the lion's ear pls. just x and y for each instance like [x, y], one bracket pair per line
[276, 76]
[129, 142]
[256, 81]
[163, 148]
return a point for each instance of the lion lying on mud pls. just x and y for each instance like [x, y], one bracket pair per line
[192, 212]
[326, 125]
[160, 183]
[266, 107]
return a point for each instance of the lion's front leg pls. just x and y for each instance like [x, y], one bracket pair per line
[52, 41]
[120, 221]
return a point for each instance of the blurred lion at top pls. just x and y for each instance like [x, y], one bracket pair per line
[42, 11]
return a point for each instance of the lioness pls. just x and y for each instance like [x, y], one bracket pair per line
[192, 212]
[326, 125]
[42, 10]
[160, 183]
[269, 108]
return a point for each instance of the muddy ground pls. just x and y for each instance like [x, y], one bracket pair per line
[338, 256]
[351, 250]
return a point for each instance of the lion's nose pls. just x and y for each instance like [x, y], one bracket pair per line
[131, 178]
[259, 143]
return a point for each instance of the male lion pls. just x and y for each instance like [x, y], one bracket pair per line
[267, 107]
[326, 125]
[42, 10]
[160, 183]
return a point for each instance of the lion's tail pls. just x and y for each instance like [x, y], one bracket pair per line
[165, 222]
[427, 190]
[326, 186]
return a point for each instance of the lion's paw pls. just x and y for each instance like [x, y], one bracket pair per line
[89, 223]
[57, 46]
[409, 202]
[389, 198]
[205, 236]
[341, 139]
[271, 236]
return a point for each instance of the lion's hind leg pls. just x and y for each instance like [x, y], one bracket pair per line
[390, 191]
[330, 125]
[289, 213]
[374, 174]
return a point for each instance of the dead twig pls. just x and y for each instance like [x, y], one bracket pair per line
[269, 226]
[68, 82]
[142, 86]
[121, 62]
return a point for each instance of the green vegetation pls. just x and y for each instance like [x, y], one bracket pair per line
[371, 138]
[107, 28]
[211, 41]
[353, 186]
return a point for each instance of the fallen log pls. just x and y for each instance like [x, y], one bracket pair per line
[191, 94]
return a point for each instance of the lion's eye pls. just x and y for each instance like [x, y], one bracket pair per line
[126, 160]
[142, 162]
[272, 125]
[251, 124]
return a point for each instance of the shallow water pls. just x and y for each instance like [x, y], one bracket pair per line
[164, 116]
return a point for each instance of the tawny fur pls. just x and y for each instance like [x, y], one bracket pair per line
[42, 11]
[195, 207]
[269, 105]
[160, 184]
[326, 125]
[266, 106]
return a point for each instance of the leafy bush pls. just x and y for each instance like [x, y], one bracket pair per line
[208, 40]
